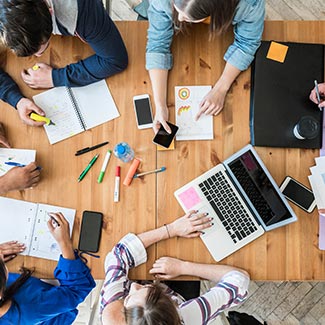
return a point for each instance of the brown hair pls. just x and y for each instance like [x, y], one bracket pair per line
[25, 25]
[7, 293]
[159, 309]
[221, 12]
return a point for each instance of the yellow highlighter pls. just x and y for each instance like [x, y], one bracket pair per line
[40, 118]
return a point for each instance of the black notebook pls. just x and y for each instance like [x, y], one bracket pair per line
[280, 95]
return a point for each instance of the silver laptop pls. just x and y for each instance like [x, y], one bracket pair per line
[242, 197]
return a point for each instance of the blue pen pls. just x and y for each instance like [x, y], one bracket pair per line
[16, 164]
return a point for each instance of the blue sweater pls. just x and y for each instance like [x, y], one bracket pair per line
[95, 27]
[37, 302]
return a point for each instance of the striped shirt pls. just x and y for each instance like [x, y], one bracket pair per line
[231, 290]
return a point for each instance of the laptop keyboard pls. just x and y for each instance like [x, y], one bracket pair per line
[229, 209]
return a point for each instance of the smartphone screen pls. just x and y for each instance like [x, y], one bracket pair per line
[163, 138]
[298, 194]
[143, 111]
[90, 231]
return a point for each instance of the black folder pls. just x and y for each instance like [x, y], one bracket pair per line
[280, 95]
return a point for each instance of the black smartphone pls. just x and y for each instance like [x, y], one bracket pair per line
[90, 231]
[163, 138]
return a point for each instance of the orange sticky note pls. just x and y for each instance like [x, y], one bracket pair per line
[277, 52]
[171, 147]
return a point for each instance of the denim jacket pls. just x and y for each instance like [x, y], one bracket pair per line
[248, 25]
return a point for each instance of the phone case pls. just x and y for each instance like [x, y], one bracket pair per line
[90, 231]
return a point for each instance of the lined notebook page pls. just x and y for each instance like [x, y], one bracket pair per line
[17, 220]
[58, 107]
[43, 244]
[95, 103]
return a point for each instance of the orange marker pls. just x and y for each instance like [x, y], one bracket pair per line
[131, 172]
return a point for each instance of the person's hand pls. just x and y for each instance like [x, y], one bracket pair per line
[40, 77]
[10, 249]
[167, 268]
[313, 96]
[161, 118]
[19, 178]
[3, 139]
[25, 107]
[212, 103]
[189, 226]
[59, 228]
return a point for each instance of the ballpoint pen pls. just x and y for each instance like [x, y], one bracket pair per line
[150, 172]
[16, 164]
[54, 220]
[40, 118]
[104, 166]
[84, 150]
[317, 93]
[82, 175]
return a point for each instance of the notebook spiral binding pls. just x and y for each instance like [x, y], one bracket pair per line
[76, 108]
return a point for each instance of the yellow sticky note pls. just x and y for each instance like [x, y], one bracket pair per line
[277, 52]
[171, 147]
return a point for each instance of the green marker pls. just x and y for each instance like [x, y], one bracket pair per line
[105, 163]
[83, 174]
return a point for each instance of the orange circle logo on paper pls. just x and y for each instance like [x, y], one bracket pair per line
[184, 93]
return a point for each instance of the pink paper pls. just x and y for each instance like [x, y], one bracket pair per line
[321, 232]
[189, 198]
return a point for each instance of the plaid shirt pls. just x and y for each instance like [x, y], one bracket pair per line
[130, 252]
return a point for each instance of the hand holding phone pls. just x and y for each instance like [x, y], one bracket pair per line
[298, 194]
[90, 231]
[163, 138]
[143, 111]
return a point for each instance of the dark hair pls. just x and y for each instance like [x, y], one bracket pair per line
[8, 293]
[221, 12]
[25, 25]
[159, 309]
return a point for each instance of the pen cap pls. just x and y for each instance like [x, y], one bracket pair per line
[131, 172]
[118, 171]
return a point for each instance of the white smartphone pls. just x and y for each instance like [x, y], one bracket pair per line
[298, 194]
[143, 111]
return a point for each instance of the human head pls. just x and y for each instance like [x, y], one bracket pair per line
[221, 12]
[25, 25]
[150, 305]
[6, 293]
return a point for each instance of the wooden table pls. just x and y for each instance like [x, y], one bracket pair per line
[288, 253]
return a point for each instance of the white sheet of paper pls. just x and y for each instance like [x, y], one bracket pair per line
[187, 101]
[22, 156]
[95, 103]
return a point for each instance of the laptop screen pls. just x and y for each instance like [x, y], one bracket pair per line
[259, 189]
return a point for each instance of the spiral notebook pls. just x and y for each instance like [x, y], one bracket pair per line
[27, 222]
[74, 110]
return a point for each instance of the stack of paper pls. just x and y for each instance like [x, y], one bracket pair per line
[317, 182]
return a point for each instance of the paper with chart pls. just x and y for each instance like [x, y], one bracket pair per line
[22, 156]
[27, 223]
[74, 110]
[187, 101]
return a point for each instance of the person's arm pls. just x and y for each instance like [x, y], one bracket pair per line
[131, 251]
[313, 96]
[230, 289]
[248, 28]
[19, 178]
[159, 57]
[10, 93]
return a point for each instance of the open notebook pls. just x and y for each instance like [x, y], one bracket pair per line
[74, 110]
[27, 223]
[21, 156]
